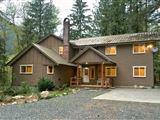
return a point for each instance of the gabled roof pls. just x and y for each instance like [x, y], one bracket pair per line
[117, 39]
[29, 47]
[52, 55]
[94, 50]
[55, 36]
[49, 53]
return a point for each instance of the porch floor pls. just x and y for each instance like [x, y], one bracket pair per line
[91, 86]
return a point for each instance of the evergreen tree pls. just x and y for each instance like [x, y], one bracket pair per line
[126, 16]
[3, 57]
[40, 20]
[110, 17]
[81, 20]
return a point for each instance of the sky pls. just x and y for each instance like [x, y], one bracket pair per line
[64, 7]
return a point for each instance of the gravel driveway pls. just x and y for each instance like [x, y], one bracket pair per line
[81, 106]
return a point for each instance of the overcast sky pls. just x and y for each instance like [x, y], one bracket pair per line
[64, 7]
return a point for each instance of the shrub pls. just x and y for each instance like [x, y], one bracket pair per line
[10, 91]
[2, 98]
[45, 84]
[62, 86]
[24, 89]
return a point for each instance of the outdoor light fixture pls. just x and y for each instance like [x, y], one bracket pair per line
[79, 66]
[149, 46]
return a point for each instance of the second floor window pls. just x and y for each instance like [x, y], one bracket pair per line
[60, 50]
[110, 50]
[139, 48]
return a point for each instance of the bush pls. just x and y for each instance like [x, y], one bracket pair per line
[45, 84]
[62, 86]
[2, 98]
[24, 89]
[10, 91]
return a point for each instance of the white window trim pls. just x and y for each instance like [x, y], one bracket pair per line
[139, 52]
[26, 72]
[48, 70]
[111, 75]
[145, 68]
[110, 53]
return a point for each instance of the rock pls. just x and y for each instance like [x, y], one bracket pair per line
[14, 103]
[44, 94]
[20, 101]
[142, 87]
[135, 86]
[1, 104]
[18, 97]
[73, 91]
[31, 98]
[8, 99]
[65, 93]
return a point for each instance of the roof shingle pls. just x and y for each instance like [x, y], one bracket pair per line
[52, 55]
[116, 39]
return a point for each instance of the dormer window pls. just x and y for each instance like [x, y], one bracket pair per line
[111, 50]
[139, 48]
[60, 50]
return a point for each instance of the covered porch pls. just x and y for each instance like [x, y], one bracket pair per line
[94, 69]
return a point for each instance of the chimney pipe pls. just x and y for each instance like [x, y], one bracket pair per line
[66, 26]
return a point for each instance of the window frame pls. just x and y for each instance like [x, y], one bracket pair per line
[139, 44]
[145, 71]
[48, 70]
[111, 53]
[26, 65]
[110, 68]
[59, 51]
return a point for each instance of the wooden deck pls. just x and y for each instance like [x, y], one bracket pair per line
[94, 86]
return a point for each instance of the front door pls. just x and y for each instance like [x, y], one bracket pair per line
[86, 75]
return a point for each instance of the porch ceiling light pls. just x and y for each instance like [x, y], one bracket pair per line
[149, 46]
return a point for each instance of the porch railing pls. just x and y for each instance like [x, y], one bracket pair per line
[107, 83]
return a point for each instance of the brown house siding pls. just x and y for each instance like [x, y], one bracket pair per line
[125, 59]
[40, 62]
[52, 43]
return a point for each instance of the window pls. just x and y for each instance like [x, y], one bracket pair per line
[60, 50]
[26, 69]
[92, 72]
[111, 71]
[139, 48]
[50, 70]
[110, 50]
[139, 71]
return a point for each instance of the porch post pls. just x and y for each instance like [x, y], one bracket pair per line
[77, 73]
[102, 82]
